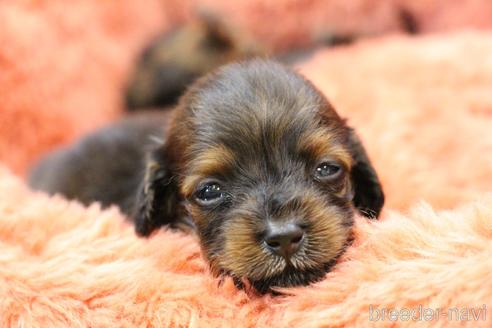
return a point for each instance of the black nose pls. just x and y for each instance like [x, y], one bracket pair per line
[284, 239]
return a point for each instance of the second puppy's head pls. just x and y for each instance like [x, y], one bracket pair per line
[268, 172]
[177, 58]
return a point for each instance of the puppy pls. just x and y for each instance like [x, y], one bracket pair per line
[106, 166]
[172, 61]
[175, 59]
[255, 160]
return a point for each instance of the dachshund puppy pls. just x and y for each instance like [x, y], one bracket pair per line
[175, 59]
[255, 160]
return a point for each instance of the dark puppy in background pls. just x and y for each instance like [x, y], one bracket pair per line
[106, 166]
[254, 160]
[172, 61]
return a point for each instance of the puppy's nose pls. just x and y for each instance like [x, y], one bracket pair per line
[284, 239]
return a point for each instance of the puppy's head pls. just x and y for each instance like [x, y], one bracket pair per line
[174, 60]
[268, 172]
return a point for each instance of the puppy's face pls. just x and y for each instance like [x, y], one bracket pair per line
[265, 168]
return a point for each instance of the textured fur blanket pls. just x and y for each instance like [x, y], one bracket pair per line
[65, 265]
[422, 105]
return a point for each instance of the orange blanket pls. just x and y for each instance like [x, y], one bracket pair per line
[65, 265]
[422, 105]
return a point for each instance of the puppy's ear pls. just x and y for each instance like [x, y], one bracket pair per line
[217, 36]
[157, 198]
[368, 193]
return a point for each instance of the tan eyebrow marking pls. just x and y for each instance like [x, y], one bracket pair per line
[321, 143]
[212, 161]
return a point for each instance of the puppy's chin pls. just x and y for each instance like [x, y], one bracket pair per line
[289, 277]
[282, 273]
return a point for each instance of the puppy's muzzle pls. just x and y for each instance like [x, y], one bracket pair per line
[284, 239]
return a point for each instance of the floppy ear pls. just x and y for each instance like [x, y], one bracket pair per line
[217, 34]
[368, 193]
[157, 198]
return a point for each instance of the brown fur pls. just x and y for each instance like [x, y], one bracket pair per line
[215, 160]
[175, 59]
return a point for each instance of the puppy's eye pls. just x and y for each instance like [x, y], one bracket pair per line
[327, 170]
[209, 193]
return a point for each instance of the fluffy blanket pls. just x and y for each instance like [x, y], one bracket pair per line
[65, 265]
[422, 105]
